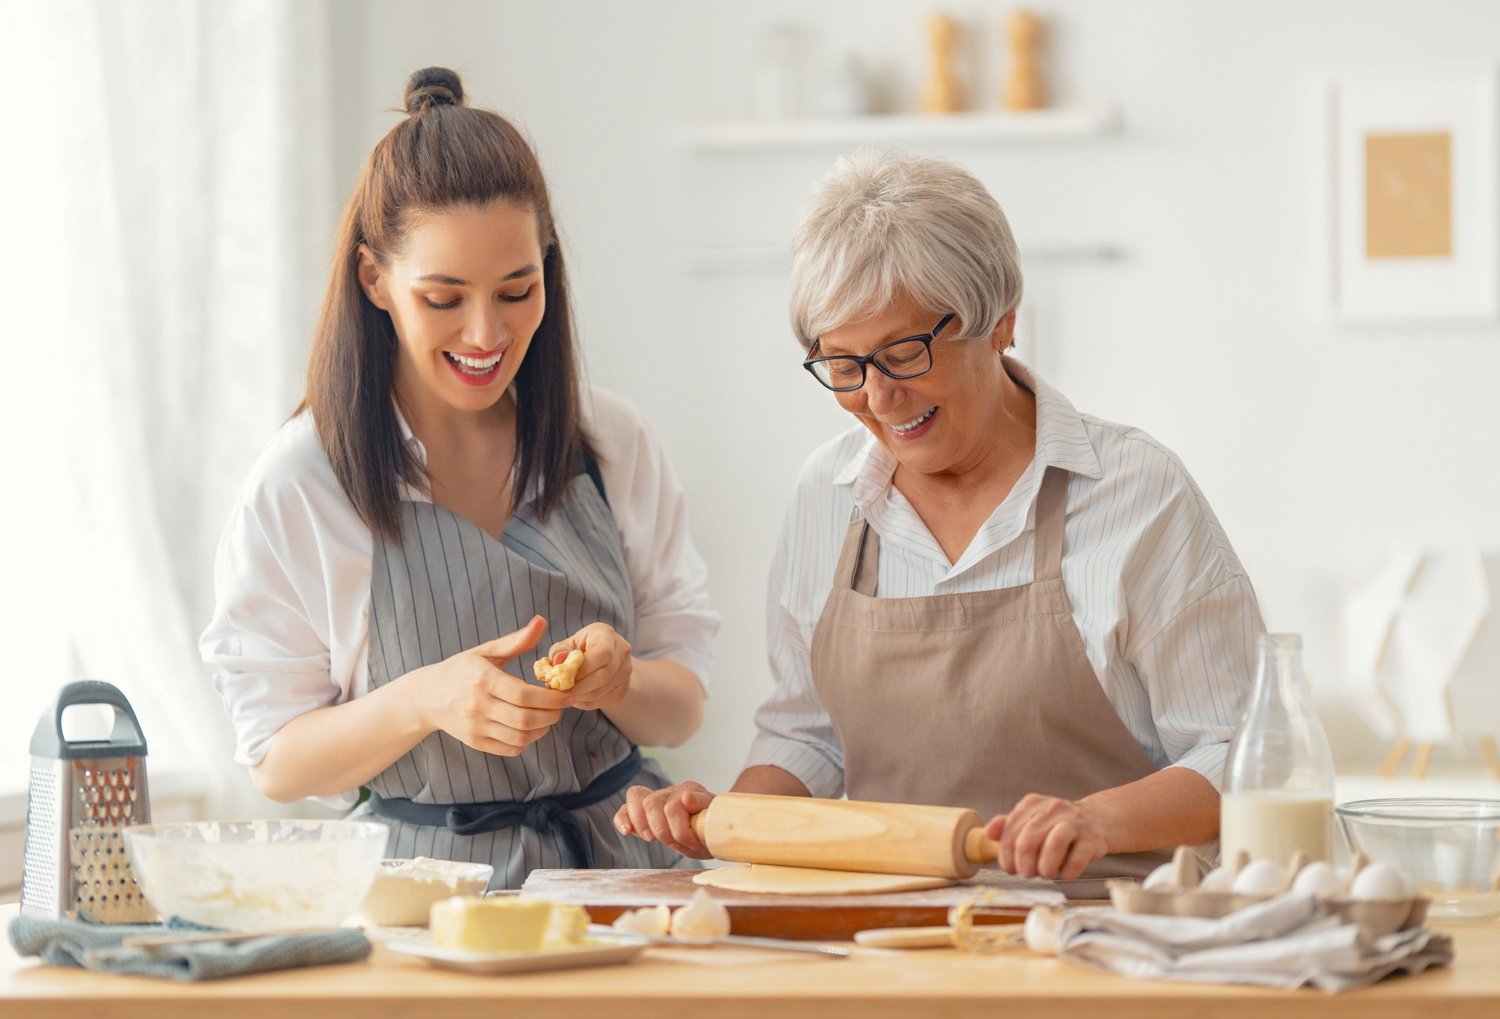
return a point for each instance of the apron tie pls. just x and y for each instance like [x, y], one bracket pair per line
[544, 815]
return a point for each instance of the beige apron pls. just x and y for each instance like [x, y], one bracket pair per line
[971, 700]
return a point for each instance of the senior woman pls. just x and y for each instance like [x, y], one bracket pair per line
[982, 597]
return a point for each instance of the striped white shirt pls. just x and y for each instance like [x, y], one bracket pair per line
[1166, 612]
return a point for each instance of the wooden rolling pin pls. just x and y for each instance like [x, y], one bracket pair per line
[883, 838]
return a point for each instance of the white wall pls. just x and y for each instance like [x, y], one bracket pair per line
[1316, 445]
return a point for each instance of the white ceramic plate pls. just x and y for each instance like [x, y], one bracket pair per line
[592, 953]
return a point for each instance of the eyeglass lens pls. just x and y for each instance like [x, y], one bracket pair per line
[903, 359]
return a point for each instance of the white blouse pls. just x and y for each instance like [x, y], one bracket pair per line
[1166, 612]
[291, 626]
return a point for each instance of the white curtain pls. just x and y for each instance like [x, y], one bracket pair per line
[176, 174]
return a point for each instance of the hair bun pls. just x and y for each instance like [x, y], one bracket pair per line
[433, 86]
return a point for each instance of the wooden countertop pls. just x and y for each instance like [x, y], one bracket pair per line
[734, 982]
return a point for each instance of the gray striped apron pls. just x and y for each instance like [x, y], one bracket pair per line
[447, 586]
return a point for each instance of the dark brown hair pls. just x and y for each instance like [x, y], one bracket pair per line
[444, 154]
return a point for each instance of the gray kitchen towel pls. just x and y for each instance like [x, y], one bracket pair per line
[1286, 941]
[97, 947]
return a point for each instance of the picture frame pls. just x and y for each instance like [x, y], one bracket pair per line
[1412, 194]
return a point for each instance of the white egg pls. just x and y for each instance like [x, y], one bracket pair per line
[1043, 924]
[1317, 879]
[1163, 877]
[1380, 882]
[1260, 877]
[1220, 879]
[703, 917]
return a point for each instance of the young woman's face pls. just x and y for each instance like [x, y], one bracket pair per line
[465, 296]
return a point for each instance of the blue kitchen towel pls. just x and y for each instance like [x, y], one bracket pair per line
[97, 947]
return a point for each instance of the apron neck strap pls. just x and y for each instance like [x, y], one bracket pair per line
[864, 572]
[859, 559]
[1051, 510]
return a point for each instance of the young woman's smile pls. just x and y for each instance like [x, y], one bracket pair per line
[478, 369]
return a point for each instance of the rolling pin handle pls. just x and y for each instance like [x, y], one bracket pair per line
[978, 848]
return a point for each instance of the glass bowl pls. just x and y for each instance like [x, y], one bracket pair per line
[1450, 846]
[257, 875]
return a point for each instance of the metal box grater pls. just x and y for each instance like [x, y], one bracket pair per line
[82, 795]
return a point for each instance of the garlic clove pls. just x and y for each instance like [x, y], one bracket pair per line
[652, 921]
[703, 917]
[1043, 924]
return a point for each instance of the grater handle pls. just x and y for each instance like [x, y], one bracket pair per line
[125, 740]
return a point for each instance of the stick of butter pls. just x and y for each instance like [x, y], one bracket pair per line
[490, 925]
[506, 924]
[568, 926]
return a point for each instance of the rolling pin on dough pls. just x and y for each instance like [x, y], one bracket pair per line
[880, 838]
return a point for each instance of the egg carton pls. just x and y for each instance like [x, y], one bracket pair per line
[1183, 896]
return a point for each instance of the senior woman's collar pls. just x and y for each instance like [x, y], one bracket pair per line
[1062, 440]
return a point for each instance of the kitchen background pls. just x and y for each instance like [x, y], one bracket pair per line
[175, 170]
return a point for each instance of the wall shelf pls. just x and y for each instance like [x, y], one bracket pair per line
[742, 259]
[1036, 125]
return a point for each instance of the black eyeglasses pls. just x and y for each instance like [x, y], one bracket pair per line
[900, 359]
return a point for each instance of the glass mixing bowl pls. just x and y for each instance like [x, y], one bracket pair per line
[1450, 846]
[257, 875]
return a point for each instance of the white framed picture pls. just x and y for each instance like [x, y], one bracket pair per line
[1413, 185]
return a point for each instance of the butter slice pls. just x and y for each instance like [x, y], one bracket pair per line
[490, 925]
[568, 926]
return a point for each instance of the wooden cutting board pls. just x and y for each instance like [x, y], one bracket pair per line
[608, 893]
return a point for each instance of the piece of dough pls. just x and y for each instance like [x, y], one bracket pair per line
[561, 675]
[763, 877]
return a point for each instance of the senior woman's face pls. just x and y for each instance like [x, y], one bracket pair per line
[942, 421]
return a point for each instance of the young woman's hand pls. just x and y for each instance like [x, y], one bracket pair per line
[469, 697]
[604, 678]
[665, 816]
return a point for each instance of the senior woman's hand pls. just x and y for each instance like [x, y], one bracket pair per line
[665, 816]
[1044, 836]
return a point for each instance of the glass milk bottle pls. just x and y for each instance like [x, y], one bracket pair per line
[1278, 784]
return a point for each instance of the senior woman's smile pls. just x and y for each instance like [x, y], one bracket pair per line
[915, 427]
[923, 389]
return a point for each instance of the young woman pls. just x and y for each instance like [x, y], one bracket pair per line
[447, 499]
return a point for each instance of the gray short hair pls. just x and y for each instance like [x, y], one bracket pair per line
[879, 224]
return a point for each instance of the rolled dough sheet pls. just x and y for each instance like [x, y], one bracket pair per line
[764, 877]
